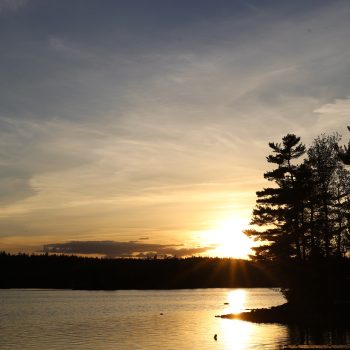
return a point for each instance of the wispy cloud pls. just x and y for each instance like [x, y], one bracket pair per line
[11, 5]
[334, 116]
[155, 120]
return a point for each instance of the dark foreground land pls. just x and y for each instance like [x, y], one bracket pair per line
[317, 293]
[72, 272]
[293, 314]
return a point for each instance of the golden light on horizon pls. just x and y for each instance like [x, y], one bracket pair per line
[230, 240]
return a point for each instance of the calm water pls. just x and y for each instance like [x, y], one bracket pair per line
[179, 319]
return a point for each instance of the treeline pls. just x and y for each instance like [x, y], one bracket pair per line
[72, 272]
[305, 214]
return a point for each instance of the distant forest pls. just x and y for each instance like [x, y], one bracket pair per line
[72, 272]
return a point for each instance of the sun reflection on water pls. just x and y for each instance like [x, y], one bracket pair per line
[236, 334]
[236, 301]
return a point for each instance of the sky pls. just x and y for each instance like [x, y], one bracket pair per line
[130, 128]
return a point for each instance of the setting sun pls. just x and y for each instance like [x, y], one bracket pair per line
[230, 240]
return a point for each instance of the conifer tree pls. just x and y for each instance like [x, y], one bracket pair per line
[278, 208]
[306, 214]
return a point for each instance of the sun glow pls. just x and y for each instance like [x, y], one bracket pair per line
[229, 239]
[236, 301]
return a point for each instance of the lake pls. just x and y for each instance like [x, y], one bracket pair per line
[130, 319]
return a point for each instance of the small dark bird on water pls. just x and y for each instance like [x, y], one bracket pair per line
[215, 337]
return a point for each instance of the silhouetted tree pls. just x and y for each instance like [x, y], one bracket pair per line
[340, 211]
[323, 160]
[278, 208]
[307, 213]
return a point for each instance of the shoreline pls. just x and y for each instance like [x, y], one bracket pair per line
[291, 314]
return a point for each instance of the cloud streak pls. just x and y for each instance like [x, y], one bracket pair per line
[131, 249]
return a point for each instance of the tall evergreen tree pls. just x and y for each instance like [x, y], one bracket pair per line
[306, 214]
[278, 207]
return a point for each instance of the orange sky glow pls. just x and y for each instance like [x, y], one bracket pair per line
[147, 132]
